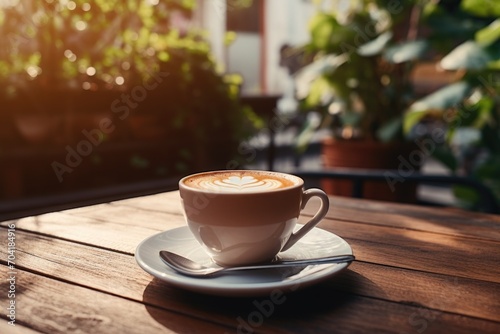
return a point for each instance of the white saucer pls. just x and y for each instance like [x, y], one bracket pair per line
[316, 243]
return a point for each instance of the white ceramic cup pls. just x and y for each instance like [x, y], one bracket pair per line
[243, 217]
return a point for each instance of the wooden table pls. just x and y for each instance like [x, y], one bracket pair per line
[418, 270]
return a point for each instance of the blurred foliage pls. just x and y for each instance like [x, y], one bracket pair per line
[360, 78]
[51, 47]
[468, 109]
[62, 44]
[116, 45]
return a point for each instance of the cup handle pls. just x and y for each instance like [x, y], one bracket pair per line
[323, 209]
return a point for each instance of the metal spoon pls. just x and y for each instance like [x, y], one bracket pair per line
[188, 267]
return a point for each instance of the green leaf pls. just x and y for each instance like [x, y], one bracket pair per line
[467, 196]
[375, 46]
[411, 119]
[320, 94]
[445, 155]
[229, 38]
[447, 97]
[487, 173]
[390, 130]
[309, 74]
[330, 36]
[489, 35]
[350, 118]
[446, 26]
[469, 55]
[486, 8]
[306, 134]
[322, 27]
[494, 65]
[163, 56]
[484, 108]
[444, 98]
[406, 51]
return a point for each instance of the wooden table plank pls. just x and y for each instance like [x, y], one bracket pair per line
[58, 307]
[377, 244]
[439, 220]
[417, 250]
[165, 202]
[52, 306]
[420, 218]
[430, 291]
[417, 270]
[122, 233]
[404, 248]
[17, 329]
[118, 274]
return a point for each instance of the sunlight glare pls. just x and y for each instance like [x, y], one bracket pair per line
[126, 65]
[80, 25]
[70, 55]
[33, 71]
[119, 80]
[8, 3]
[107, 78]
[91, 71]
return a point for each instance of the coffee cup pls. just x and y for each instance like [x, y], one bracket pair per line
[243, 217]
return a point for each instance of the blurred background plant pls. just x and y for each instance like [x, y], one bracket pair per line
[360, 77]
[363, 78]
[89, 44]
[467, 32]
[65, 60]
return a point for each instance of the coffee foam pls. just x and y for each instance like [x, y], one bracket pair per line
[240, 181]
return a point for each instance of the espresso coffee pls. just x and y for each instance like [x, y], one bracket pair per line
[241, 181]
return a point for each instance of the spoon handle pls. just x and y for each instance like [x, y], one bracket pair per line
[290, 263]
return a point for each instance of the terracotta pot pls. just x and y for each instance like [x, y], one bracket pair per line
[369, 155]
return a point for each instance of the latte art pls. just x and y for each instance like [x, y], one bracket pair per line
[239, 182]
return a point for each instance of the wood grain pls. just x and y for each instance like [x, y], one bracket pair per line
[122, 229]
[52, 306]
[121, 232]
[420, 218]
[418, 270]
[458, 256]
[118, 274]
[17, 329]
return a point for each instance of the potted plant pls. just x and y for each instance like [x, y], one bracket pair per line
[465, 115]
[362, 80]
